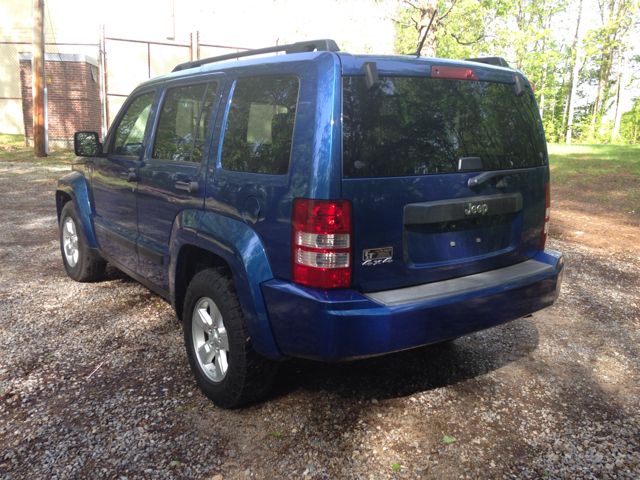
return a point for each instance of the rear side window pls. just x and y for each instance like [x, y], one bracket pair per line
[421, 126]
[183, 123]
[260, 122]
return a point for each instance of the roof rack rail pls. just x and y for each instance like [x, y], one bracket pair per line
[498, 61]
[326, 44]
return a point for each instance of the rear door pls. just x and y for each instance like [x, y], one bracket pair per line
[411, 145]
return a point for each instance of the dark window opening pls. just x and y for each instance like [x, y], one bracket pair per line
[183, 124]
[259, 129]
[421, 126]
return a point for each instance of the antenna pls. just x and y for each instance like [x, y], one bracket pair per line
[417, 53]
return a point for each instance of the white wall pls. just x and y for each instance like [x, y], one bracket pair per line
[357, 26]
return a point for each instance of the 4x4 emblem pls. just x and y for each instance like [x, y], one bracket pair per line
[377, 256]
[481, 208]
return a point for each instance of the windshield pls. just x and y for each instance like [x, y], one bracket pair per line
[421, 126]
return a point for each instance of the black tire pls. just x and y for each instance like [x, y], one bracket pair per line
[248, 375]
[84, 268]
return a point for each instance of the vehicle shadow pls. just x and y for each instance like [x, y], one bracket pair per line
[417, 370]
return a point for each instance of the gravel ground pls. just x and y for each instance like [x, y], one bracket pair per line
[94, 382]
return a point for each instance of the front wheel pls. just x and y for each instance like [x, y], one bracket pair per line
[226, 367]
[78, 263]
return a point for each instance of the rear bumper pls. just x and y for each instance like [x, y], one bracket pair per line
[344, 324]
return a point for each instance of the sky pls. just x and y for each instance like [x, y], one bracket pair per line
[254, 23]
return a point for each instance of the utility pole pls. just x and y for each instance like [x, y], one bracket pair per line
[104, 105]
[37, 73]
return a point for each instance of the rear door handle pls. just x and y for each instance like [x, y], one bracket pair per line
[129, 176]
[189, 187]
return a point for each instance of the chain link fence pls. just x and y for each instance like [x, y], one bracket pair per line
[127, 63]
[207, 50]
[130, 62]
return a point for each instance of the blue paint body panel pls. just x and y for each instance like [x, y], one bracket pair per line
[75, 185]
[343, 324]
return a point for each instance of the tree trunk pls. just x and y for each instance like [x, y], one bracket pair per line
[599, 94]
[574, 77]
[544, 80]
[565, 108]
[615, 132]
[623, 75]
[426, 9]
[614, 22]
[545, 66]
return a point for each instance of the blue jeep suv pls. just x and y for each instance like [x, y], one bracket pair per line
[318, 204]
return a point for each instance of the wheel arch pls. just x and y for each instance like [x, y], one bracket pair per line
[190, 261]
[73, 187]
[224, 242]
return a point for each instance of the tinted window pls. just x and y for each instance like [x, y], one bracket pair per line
[130, 131]
[417, 126]
[183, 123]
[259, 127]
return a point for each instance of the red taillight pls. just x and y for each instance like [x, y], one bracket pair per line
[453, 73]
[547, 214]
[321, 243]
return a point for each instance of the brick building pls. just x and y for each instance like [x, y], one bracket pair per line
[73, 96]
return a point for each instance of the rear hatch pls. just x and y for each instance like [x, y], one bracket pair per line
[445, 164]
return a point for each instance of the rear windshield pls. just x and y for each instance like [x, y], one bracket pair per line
[422, 126]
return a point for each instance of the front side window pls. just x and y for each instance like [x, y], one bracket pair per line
[130, 130]
[423, 126]
[259, 129]
[184, 120]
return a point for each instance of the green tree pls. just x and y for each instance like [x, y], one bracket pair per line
[630, 124]
[603, 48]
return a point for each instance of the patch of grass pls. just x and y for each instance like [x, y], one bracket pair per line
[581, 163]
[605, 174]
[12, 150]
[11, 140]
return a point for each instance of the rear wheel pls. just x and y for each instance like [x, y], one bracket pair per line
[226, 367]
[78, 263]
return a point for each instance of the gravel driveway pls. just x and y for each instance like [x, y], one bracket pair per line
[94, 382]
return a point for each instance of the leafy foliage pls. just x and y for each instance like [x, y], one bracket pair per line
[537, 37]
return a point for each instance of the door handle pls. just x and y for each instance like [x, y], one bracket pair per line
[129, 176]
[190, 187]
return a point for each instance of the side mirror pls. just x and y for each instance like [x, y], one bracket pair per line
[86, 144]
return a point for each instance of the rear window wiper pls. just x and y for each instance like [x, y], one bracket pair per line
[483, 177]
